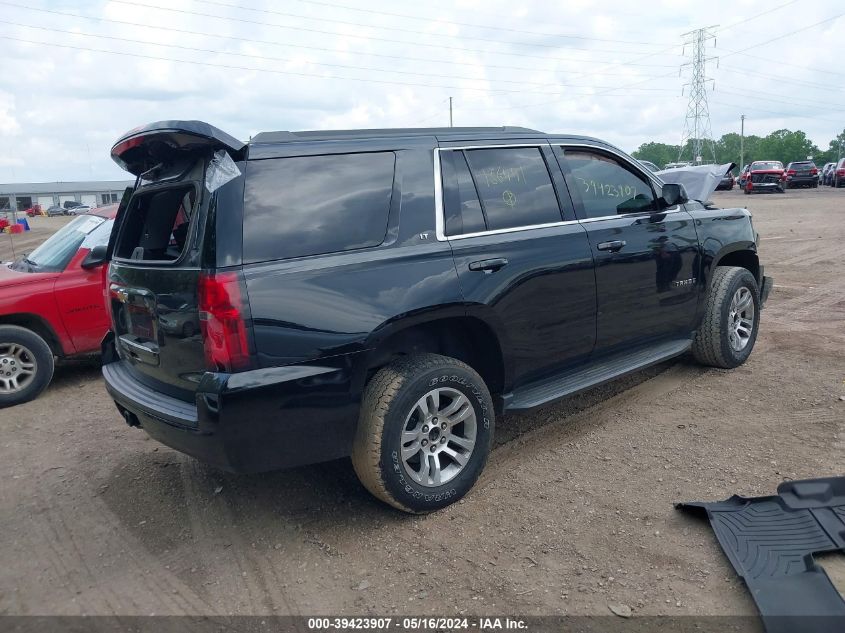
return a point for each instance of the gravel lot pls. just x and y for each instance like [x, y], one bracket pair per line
[573, 513]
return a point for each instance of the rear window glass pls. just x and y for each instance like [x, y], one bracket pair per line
[156, 225]
[461, 205]
[316, 204]
[514, 186]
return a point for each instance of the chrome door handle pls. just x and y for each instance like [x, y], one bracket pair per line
[612, 246]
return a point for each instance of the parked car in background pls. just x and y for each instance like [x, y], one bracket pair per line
[838, 174]
[676, 165]
[824, 177]
[70, 204]
[764, 175]
[650, 166]
[52, 305]
[32, 211]
[727, 182]
[56, 210]
[79, 210]
[386, 294]
[801, 173]
[743, 174]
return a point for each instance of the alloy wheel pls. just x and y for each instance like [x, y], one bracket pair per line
[17, 367]
[741, 319]
[438, 437]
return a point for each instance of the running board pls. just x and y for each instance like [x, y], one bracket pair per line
[542, 392]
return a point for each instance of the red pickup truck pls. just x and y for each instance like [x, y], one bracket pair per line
[52, 305]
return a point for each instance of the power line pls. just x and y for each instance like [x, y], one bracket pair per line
[282, 72]
[283, 59]
[781, 114]
[253, 40]
[756, 16]
[799, 82]
[782, 63]
[780, 37]
[422, 19]
[771, 96]
[355, 35]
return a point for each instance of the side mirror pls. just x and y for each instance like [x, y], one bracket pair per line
[95, 256]
[673, 194]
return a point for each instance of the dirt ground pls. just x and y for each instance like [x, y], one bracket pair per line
[574, 511]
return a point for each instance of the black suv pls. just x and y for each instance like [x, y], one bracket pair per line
[802, 173]
[387, 294]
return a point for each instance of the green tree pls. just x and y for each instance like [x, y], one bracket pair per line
[786, 146]
[728, 149]
[657, 153]
[835, 150]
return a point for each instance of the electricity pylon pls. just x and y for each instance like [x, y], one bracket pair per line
[697, 122]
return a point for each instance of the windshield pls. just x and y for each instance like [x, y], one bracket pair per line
[767, 164]
[54, 254]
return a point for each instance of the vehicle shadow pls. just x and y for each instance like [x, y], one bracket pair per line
[71, 372]
[163, 496]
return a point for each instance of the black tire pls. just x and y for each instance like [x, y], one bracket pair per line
[37, 352]
[389, 400]
[712, 345]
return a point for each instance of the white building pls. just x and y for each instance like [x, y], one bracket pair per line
[22, 195]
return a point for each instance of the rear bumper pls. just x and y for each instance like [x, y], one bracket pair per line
[247, 422]
[802, 180]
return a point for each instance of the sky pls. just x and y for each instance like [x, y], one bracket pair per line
[75, 75]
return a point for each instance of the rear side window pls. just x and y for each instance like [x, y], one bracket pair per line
[514, 186]
[460, 199]
[316, 204]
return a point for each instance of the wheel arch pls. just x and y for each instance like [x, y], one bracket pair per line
[742, 257]
[37, 324]
[454, 333]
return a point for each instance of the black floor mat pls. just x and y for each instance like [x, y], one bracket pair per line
[770, 542]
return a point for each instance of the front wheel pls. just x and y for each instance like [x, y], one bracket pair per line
[424, 432]
[728, 331]
[26, 365]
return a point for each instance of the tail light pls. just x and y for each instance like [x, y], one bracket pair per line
[223, 312]
[840, 172]
[814, 171]
[790, 172]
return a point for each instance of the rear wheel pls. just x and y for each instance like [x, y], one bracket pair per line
[728, 331]
[26, 365]
[424, 432]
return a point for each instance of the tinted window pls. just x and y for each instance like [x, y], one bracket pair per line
[514, 186]
[460, 199]
[606, 187]
[316, 204]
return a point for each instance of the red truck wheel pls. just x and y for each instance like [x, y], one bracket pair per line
[26, 365]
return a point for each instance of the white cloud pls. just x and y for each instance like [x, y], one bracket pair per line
[61, 103]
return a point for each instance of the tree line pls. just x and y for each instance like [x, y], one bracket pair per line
[783, 145]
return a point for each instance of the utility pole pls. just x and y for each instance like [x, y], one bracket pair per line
[450, 112]
[742, 141]
[697, 121]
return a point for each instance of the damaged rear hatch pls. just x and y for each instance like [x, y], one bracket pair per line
[160, 246]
